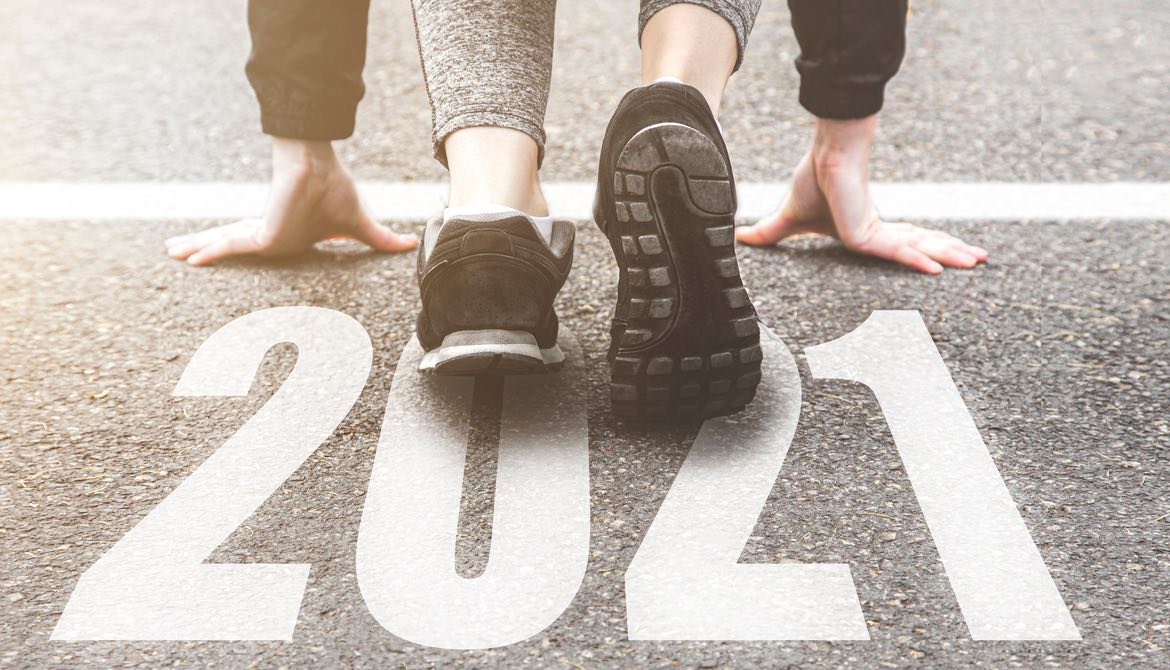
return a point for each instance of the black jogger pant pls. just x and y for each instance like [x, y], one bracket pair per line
[307, 58]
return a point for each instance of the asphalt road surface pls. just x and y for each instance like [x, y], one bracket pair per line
[1058, 346]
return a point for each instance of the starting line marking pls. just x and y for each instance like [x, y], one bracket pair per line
[415, 201]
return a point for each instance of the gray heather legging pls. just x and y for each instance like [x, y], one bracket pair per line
[489, 62]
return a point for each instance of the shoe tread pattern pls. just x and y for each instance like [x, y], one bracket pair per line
[690, 345]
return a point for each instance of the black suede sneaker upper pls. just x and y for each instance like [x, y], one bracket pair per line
[495, 275]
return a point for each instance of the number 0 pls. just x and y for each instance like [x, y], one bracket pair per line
[540, 530]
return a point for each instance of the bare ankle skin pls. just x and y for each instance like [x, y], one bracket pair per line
[313, 198]
[692, 44]
[497, 166]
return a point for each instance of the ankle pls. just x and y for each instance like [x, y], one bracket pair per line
[529, 200]
[711, 87]
[492, 165]
[693, 44]
[533, 202]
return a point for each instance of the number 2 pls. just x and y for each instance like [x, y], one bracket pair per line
[685, 582]
[153, 584]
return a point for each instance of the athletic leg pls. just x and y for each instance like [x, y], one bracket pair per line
[491, 267]
[700, 44]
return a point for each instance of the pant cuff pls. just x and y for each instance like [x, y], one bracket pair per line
[732, 12]
[315, 128]
[488, 117]
[852, 101]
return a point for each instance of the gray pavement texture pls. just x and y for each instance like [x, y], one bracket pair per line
[1060, 358]
[1058, 346]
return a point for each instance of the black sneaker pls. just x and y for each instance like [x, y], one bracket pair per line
[685, 339]
[487, 291]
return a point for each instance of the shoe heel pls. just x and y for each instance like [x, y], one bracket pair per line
[490, 352]
[698, 386]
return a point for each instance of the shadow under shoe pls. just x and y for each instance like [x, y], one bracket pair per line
[487, 291]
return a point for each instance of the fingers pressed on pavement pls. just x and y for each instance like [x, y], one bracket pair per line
[233, 243]
[948, 253]
[182, 246]
[772, 229]
[765, 231]
[979, 254]
[907, 255]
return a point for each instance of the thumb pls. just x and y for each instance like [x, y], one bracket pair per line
[769, 230]
[382, 238]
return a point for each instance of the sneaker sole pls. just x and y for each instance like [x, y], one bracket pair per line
[691, 345]
[491, 352]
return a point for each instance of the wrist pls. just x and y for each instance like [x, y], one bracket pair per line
[843, 143]
[302, 156]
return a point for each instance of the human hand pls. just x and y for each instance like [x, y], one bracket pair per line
[313, 198]
[830, 196]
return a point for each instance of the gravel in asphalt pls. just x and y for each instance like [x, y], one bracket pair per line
[1058, 346]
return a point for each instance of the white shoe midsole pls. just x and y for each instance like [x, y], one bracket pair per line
[471, 343]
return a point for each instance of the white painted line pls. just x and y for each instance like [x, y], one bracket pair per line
[986, 201]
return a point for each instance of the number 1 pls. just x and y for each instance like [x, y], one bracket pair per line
[999, 578]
